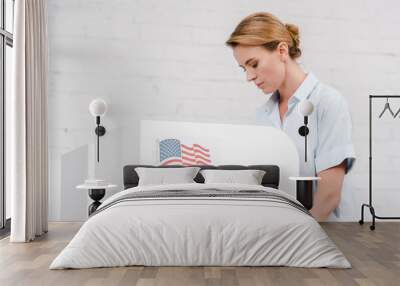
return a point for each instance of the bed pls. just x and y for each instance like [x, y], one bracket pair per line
[201, 224]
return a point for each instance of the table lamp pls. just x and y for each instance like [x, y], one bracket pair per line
[98, 108]
[305, 108]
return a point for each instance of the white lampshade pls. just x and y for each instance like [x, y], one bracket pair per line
[305, 107]
[98, 107]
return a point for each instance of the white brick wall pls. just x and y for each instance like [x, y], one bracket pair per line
[167, 60]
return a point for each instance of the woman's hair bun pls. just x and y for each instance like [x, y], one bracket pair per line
[294, 50]
[294, 33]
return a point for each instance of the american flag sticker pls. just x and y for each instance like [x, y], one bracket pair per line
[173, 152]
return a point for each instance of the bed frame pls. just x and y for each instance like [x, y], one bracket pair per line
[270, 179]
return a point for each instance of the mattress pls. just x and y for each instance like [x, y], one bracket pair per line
[201, 225]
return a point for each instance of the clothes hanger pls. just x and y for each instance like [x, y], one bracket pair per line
[387, 107]
[398, 111]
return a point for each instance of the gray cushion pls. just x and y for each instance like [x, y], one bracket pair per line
[164, 176]
[248, 177]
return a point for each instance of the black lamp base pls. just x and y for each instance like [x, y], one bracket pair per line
[304, 193]
[96, 195]
[100, 130]
[303, 130]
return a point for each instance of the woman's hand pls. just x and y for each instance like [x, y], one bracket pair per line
[327, 197]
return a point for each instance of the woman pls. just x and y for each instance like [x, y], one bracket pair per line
[267, 50]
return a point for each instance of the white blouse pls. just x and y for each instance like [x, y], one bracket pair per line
[330, 136]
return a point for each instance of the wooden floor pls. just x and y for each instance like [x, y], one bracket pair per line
[374, 255]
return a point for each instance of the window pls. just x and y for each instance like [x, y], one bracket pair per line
[6, 44]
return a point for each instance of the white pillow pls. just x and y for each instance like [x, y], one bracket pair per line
[248, 177]
[165, 176]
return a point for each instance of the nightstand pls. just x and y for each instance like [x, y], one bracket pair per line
[96, 193]
[304, 190]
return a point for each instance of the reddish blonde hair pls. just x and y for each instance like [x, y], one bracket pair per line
[264, 29]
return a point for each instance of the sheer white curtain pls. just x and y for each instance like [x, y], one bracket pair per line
[28, 122]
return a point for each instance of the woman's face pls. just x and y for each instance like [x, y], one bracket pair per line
[266, 68]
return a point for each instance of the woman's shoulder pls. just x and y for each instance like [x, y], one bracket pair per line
[328, 96]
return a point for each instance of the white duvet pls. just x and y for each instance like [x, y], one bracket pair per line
[200, 231]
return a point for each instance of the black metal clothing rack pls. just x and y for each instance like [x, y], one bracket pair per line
[369, 205]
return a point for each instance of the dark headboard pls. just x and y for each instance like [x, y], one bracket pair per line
[270, 179]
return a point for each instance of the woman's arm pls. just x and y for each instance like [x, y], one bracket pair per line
[327, 197]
